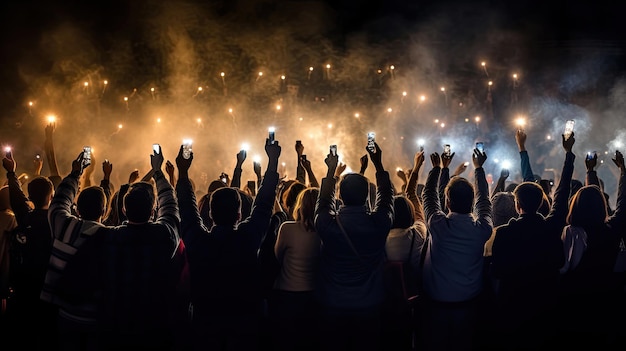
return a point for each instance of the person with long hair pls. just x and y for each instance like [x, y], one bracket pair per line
[297, 249]
[589, 290]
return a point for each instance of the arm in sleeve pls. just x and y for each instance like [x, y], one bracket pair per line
[617, 220]
[262, 207]
[325, 205]
[432, 204]
[558, 210]
[168, 214]
[444, 178]
[592, 178]
[280, 245]
[482, 207]
[60, 209]
[411, 193]
[191, 223]
[499, 186]
[19, 202]
[300, 172]
[527, 171]
[384, 199]
[236, 181]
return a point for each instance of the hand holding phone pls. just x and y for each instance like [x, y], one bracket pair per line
[271, 134]
[371, 138]
[480, 146]
[333, 150]
[569, 129]
[156, 148]
[447, 151]
[86, 156]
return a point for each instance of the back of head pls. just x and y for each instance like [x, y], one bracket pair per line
[511, 187]
[304, 209]
[40, 190]
[404, 212]
[575, 184]
[225, 206]
[587, 207]
[91, 203]
[214, 185]
[354, 189]
[529, 196]
[291, 194]
[139, 202]
[503, 208]
[283, 187]
[459, 195]
[246, 203]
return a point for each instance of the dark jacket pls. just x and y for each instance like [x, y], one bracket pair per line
[347, 280]
[223, 261]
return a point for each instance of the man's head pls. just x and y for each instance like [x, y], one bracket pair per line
[528, 197]
[91, 203]
[354, 189]
[459, 195]
[139, 202]
[40, 191]
[225, 206]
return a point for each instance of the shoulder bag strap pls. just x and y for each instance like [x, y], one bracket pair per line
[348, 238]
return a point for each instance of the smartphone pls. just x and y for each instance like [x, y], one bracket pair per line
[187, 148]
[271, 132]
[86, 155]
[371, 138]
[591, 155]
[421, 147]
[333, 150]
[303, 157]
[569, 128]
[446, 150]
[156, 148]
[298, 142]
[480, 146]
[252, 187]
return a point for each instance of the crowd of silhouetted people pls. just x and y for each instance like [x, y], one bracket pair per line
[347, 263]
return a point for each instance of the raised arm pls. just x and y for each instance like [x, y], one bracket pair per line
[105, 183]
[591, 177]
[411, 187]
[54, 176]
[167, 204]
[482, 204]
[236, 181]
[444, 178]
[325, 206]
[171, 172]
[527, 172]
[300, 169]
[558, 210]
[383, 210]
[60, 210]
[432, 205]
[618, 218]
[309, 170]
[191, 222]
[20, 204]
[504, 174]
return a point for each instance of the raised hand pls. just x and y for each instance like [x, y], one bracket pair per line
[134, 175]
[479, 158]
[591, 162]
[156, 160]
[569, 143]
[8, 162]
[619, 161]
[435, 159]
[364, 163]
[520, 139]
[376, 156]
[107, 168]
[446, 159]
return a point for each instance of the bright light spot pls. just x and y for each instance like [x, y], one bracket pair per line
[420, 142]
[357, 115]
[120, 126]
[483, 63]
[467, 120]
[490, 83]
[278, 107]
[618, 144]
[392, 67]
[256, 158]
[506, 164]
[245, 146]
[477, 118]
[199, 88]
[125, 98]
[271, 129]
[199, 120]
[422, 98]
[514, 75]
[404, 93]
[520, 121]
[222, 74]
[52, 119]
[311, 68]
[436, 120]
[330, 125]
[389, 109]
[187, 141]
[443, 89]
[379, 71]
[7, 149]
[300, 118]
[548, 137]
[283, 164]
[328, 66]
[230, 110]
[260, 74]
[106, 82]
[158, 120]
[442, 124]
[398, 169]
[282, 77]
[30, 103]
[86, 84]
